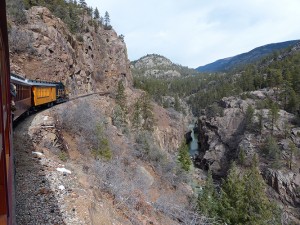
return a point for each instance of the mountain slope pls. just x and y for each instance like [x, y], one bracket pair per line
[245, 58]
[88, 61]
[157, 66]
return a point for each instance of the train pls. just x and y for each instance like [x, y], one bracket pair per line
[7, 215]
[32, 94]
[19, 96]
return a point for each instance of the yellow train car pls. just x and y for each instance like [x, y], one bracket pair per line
[43, 93]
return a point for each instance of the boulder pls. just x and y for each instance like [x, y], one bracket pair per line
[145, 178]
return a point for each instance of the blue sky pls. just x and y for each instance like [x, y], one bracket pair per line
[196, 32]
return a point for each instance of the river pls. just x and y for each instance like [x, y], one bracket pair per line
[194, 143]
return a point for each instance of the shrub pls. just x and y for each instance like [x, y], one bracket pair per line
[118, 117]
[100, 148]
[79, 38]
[63, 156]
[15, 10]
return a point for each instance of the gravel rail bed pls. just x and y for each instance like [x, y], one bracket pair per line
[41, 190]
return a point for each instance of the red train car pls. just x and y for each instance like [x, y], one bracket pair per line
[23, 101]
[6, 154]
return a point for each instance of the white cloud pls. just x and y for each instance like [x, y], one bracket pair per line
[196, 32]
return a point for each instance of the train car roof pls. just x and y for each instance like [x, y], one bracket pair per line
[21, 80]
[17, 80]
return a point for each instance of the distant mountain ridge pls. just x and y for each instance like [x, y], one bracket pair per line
[225, 64]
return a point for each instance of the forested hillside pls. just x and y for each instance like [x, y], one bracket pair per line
[238, 61]
[248, 126]
[281, 70]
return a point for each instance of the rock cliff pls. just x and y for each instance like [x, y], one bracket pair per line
[89, 61]
[225, 136]
[141, 170]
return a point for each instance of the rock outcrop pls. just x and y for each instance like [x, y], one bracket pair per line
[86, 62]
[157, 66]
[224, 137]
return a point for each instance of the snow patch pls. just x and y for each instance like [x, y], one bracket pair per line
[38, 153]
[63, 170]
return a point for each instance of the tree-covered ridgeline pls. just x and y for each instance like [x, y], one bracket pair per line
[71, 12]
[201, 90]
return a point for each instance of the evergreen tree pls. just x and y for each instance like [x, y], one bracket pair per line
[177, 104]
[242, 156]
[272, 150]
[96, 14]
[249, 118]
[258, 208]
[184, 156]
[208, 199]
[232, 208]
[121, 97]
[83, 3]
[293, 102]
[147, 112]
[120, 111]
[90, 11]
[136, 123]
[286, 91]
[274, 114]
[260, 121]
[107, 25]
[243, 199]
[293, 151]
[119, 117]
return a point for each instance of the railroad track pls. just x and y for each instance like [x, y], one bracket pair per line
[101, 93]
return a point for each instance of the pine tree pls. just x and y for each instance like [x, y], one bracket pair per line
[258, 208]
[243, 199]
[120, 111]
[90, 11]
[274, 114]
[232, 209]
[249, 117]
[121, 97]
[177, 104]
[293, 102]
[272, 150]
[147, 112]
[207, 198]
[184, 156]
[107, 25]
[96, 14]
[293, 151]
[82, 3]
[136, 121]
